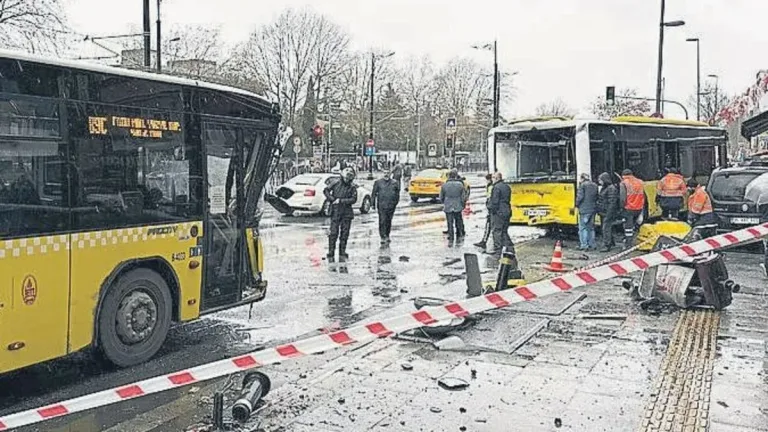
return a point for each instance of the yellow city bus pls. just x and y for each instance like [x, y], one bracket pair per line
[542, 158]
[127, 202]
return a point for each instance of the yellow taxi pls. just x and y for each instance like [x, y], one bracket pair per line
[427, 183]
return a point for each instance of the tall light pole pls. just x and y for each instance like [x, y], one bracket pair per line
[147, 36]
[372, 95]
[159, 39]
[698, 76]
[496, 81]
[662, 25]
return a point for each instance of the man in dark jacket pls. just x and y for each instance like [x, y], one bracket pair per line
[385, 196]
[397, 172]
[342, 195]
[453, 195]
[608, 206]
[500, 209]
[586, 202]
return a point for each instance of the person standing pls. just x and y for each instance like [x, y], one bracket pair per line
[632, 198]
[487, 232]
[407, 171]
[701, 216]
[608, 206]
[397, 173]
[385, 196]
[500, 209]
[453, 195]
[342, 195]
[586, 202]
[670, 193]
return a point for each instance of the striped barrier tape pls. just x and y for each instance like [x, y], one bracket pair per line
[380, 329]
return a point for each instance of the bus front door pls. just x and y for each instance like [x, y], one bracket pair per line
[224, 231]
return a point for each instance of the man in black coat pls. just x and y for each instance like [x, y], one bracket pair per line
[608, 207]
[342, 195]
[385, 196]
[500, 209]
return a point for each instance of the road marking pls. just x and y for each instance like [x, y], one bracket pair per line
[680, 396]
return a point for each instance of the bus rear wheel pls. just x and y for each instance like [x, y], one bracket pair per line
[134, 318]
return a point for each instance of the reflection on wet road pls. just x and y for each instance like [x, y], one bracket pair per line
[306, 294]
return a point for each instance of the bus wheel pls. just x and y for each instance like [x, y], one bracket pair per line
[135, 317]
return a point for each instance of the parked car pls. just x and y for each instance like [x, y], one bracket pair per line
[427, 183]
[728, 188]
[305, 193]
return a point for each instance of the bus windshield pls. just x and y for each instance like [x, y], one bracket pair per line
[536, 154]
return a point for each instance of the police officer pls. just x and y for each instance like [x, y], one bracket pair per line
[632, 198]
[488, 223]
[701, 216]
[670, 192]
[385, 196]
[342, 195]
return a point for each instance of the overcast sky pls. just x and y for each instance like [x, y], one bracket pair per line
[569, 49]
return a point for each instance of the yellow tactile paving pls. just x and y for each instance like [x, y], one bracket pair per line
[679, 401]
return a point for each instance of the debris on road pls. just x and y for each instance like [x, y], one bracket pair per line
[436, 410]
[407, 366]
[451, 383]
[450, 343]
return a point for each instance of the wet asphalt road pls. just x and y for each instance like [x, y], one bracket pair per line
[305, 294]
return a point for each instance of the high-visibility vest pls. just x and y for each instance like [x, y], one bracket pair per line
[671, 185]
[635, 195]
[488, 190]
[699, 203]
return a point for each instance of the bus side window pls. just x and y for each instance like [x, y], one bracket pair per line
[642, 158]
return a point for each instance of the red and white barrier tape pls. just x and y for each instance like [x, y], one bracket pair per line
[385, 328]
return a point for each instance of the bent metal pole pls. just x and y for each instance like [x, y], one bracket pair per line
[379, 329]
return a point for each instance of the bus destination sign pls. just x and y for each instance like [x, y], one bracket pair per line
[136, 126]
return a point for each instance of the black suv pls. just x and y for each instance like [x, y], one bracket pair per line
[728, 186]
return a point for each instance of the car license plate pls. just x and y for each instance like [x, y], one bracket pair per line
[745, 221]
[536, 212]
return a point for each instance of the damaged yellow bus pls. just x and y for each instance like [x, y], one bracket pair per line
[128, 201]
[542, 159]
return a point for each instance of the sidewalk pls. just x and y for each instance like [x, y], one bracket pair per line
[576, 374]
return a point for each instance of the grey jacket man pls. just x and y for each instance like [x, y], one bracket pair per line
[453, 196]
[586, 197]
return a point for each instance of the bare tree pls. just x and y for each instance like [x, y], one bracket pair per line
[556, 108]
[459, 83]
[33, 25]
[195, 51]
[286, 52]
[713, 99]
[622, 106]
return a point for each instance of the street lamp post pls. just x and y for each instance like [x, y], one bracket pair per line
[496, 81]
[372, 95]
[159, 39]
[662, 24]
[698, 76]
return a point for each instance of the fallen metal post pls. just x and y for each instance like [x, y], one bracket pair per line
[256, 385]
[507, 270]
[218, 410]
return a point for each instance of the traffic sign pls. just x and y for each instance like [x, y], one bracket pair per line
[432, 150]
[297, 149]
[370, 143]
[450, 125]
[370, 148]
[296, 141]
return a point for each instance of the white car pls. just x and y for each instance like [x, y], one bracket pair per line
[305, 193]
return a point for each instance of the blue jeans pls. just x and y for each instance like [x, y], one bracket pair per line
[587, 230]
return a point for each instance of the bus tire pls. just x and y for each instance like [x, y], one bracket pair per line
[144, 296]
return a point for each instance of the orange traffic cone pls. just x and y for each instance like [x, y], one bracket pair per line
[556, 265]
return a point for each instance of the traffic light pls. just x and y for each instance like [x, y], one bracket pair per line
[449, 139]
[610, 95]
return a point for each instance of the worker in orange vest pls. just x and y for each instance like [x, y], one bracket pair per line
[670, 192]
[632, 199]
[701, 216]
